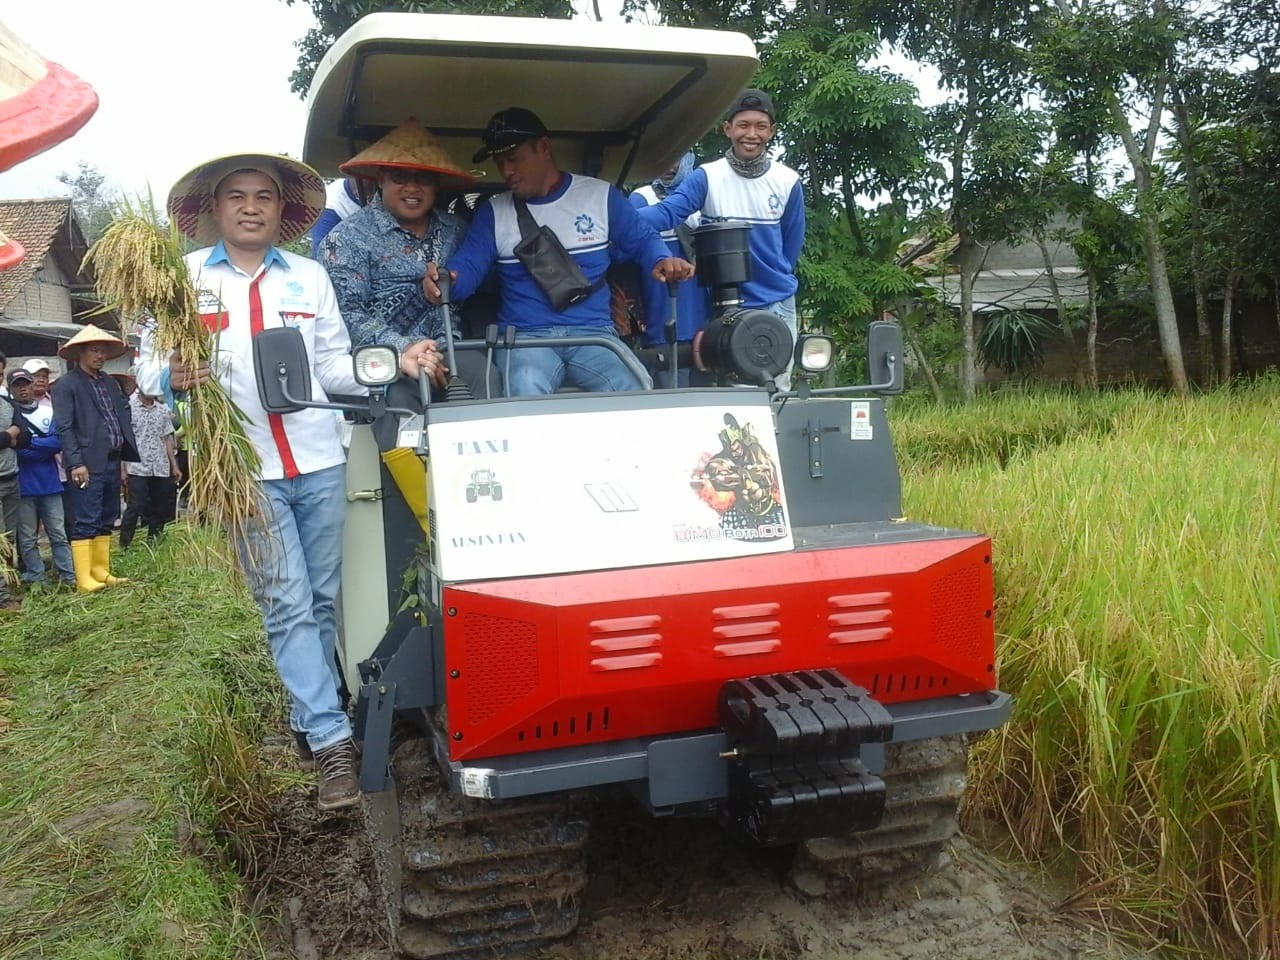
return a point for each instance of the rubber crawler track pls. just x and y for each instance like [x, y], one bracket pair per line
[481, 877]
[924, 782]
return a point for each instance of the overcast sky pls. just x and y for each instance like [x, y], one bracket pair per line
[178, 82]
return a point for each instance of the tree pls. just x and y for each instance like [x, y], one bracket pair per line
[333, 17]
[1120, 57]
[92, 199]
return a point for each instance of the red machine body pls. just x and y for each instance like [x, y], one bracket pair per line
[564, 660]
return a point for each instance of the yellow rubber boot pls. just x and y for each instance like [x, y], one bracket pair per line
[102, 561]
[82, 561]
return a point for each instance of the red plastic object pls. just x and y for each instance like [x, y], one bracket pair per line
[44, 114]
[547, 662]
[11, 252]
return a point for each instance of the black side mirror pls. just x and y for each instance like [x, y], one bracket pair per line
[884, 358]
[283, 370]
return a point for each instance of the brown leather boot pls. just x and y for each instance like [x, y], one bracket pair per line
[338, 773]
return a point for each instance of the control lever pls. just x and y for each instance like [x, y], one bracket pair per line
[490, 341]
[509, 342]
[456, 388]
[669, 328]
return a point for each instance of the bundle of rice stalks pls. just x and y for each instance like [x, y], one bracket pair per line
[139, 270]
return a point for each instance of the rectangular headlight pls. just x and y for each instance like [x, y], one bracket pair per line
[376, 365]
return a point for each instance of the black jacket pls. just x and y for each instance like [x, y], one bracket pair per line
[9, 418]
[81, 427]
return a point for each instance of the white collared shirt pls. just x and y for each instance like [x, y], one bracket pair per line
[287, 290]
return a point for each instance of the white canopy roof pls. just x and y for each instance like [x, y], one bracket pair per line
[599, 87]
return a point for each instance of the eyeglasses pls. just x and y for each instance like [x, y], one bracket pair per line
[404, 177]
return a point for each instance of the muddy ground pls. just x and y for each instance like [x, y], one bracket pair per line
[662, 890]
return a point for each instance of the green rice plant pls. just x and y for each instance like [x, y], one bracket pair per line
[1001, 427]
[1137, 607]
[120, 714]
[139, 269]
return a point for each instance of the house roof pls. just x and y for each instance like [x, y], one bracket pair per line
[35, 224]
[44, 227]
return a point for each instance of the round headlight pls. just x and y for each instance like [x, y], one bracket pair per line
[814, 353]
[376, 365]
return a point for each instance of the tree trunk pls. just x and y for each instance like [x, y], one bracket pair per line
[1228, 306]
[1198, 281]
[1092, 336]
[1060, 305]
[1157, 266]
[969, 269]
[930, 378]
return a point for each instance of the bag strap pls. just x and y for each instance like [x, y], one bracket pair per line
[523, 217]
[529, 227]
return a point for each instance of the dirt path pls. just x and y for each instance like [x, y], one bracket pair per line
[664, 890]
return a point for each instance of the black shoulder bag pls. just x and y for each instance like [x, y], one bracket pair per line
[549, 263]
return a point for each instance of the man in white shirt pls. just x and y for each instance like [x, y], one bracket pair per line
[240, 207]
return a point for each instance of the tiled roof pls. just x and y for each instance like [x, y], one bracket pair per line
[35, 225]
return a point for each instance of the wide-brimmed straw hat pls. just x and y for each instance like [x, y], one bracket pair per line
[409, 147]
[91, 334]
[191, 199]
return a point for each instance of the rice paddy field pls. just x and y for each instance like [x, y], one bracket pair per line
[1139, 599]
[1136, 540]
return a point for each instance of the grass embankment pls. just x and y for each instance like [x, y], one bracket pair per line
[124, 721]
[1139, 614]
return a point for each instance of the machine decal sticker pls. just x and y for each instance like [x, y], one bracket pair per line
[860, 421]
[483, 483]
[524, 492]
[740, 483]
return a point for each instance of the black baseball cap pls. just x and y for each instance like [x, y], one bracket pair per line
[508, 129]
[752, 99]
[20, 374]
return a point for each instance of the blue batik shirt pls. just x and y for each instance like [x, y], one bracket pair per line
[377, 267]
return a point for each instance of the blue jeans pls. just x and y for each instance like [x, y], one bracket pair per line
[94, 509]
[46, 510]
[785, 310]
[293, 567]
[535, 372]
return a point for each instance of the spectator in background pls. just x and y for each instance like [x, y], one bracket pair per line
[152, 482]
[41, 488]
[693, 302]
[4, 365]
[13, 436]
[342, 199]
[40, 373]
[96, 430]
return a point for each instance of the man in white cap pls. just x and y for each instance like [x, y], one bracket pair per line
[238, 208]
[96, 433]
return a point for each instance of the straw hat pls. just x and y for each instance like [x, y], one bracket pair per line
[409, 147]
[191, 199]
[91, 334]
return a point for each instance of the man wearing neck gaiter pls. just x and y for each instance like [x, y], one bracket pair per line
[746, 186]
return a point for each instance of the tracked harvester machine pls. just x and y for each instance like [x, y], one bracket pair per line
[708, 596]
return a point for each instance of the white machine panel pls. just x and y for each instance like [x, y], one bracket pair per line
[595, 489]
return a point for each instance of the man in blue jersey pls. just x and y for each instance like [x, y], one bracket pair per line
[595, 224]
[745, 185]
[693, 303]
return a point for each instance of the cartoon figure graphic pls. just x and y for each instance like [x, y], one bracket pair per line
[740, 483]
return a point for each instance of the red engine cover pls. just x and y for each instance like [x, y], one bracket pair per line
[579, 658]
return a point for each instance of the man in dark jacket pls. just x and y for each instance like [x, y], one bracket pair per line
[13, 435]
[96, 430]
